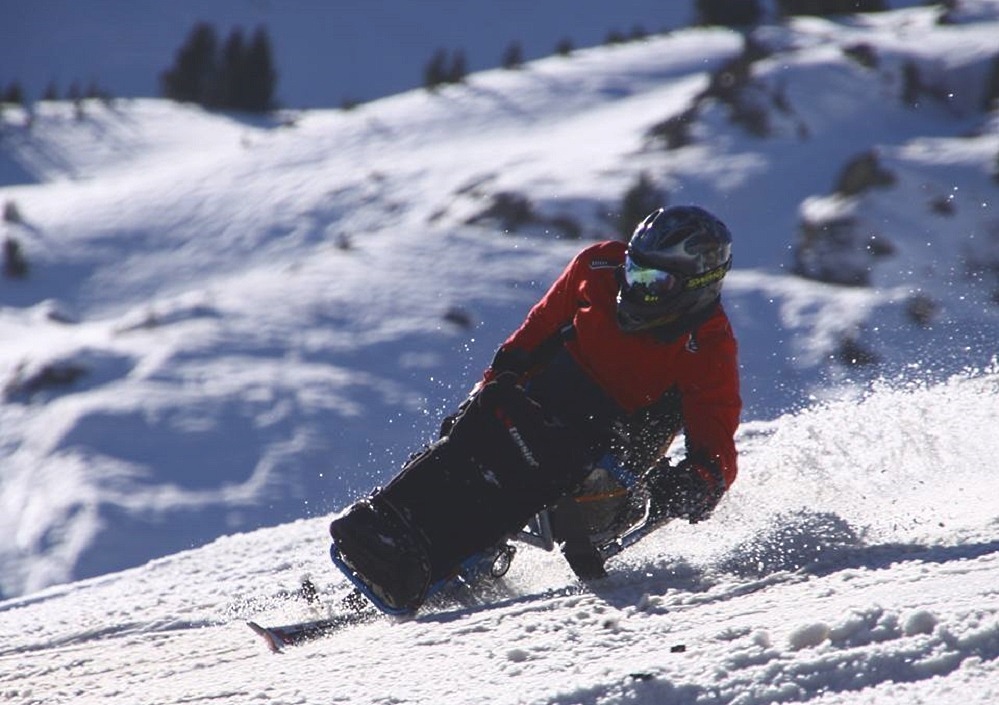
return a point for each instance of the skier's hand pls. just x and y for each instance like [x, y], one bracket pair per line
[690, 490]
[448, 422]
[515, 360]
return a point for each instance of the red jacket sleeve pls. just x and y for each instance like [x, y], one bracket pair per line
[555, 309]
[709, 387]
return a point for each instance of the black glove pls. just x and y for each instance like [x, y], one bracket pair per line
[448, 423]
[506, 368]
[516, 360]
[688, 491]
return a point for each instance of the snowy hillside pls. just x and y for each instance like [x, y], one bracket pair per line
[857, 567]
[229, 323]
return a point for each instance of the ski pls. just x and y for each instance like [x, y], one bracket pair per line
[352, 609]
[279, 637]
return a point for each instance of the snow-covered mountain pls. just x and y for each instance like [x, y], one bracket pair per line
[232, 322]
[326, 54]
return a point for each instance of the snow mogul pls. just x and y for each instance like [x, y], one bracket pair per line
[564, 441]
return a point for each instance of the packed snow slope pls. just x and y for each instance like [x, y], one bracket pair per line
[858, 566]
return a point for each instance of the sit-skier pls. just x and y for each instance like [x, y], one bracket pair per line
[628, 346]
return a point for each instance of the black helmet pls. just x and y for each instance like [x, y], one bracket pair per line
[673, 269]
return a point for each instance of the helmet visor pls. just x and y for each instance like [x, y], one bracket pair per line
[647, 285]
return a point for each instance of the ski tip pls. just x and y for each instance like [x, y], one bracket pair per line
[273, 642]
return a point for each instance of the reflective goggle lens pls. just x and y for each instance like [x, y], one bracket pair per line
[648, 284]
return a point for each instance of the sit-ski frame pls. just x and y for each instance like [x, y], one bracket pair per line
[538, 533]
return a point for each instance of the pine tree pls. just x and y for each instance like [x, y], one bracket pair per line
[459, 67]
[731, 13]
[435, 72]
[194, 74]
[438, 71]
[564, 47]
[261, 77]
[13, 93]
[824, 8]
[232, 87]
[240, 76]
[513, 56]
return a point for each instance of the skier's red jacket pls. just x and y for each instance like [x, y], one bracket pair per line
[637, 369]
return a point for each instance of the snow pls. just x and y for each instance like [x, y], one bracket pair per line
[255, 320]
[846, 572]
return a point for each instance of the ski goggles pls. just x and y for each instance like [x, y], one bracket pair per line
[649, 285]
[653, 285]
